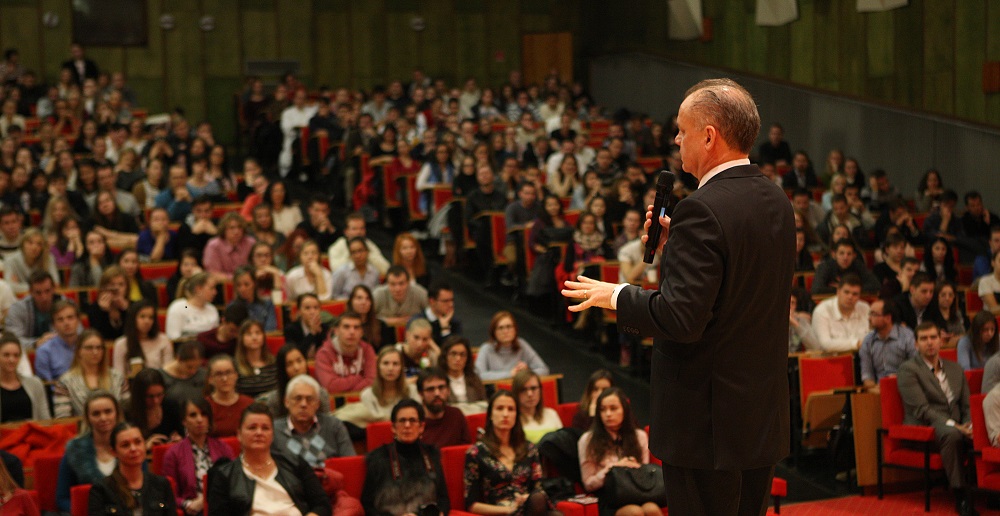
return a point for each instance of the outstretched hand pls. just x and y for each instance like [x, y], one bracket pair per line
[593, 293]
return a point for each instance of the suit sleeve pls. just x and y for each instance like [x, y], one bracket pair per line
[682, 307]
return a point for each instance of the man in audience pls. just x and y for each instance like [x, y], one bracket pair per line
[445, 425]
[879, 191]
[811, 212]
[440, 312]
[896, 285]
[935, 393]
[30, 318]
[318, 225]
[831, 271]
[398, 299]
[912, 304]
[418, 348]
[223, 338]
[943, 220]
[775, 150]
[81, 66]
[488, 196]
[354, 226]
[886, 347]
[801, 175]
[345, 363]
[293, 118]
[197, 228]
[55, 354]
[517, 216]
[981, 267]
[306, 432]
[841, 321]
[858, 207]
[358, 271]
[177, 197]
[10, 230]
[977, 221]
[840, 215]
[897, 214]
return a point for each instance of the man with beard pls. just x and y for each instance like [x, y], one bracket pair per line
[445, 425]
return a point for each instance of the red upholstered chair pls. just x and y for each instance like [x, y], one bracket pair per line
[567, 411]
[973, 303]
[476, 422]
[950, 354]
[453, 463]
[79, 496]
[354, 470]
[234, 445]
[987, 456]
[975, 379]
[378, 434]
[818, 378]
[274, 343]
[159, 452]
[46, 476]
[893, 437]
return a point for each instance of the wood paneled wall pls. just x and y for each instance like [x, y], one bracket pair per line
[357, 43]
[926, 56]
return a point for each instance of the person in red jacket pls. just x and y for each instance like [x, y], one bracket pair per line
[345, 363]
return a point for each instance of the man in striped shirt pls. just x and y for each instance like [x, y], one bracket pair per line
[886, 347]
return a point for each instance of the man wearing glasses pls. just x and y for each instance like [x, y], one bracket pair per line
[886, 347]
[444, 425]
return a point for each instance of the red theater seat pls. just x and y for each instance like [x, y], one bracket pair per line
[896, 441]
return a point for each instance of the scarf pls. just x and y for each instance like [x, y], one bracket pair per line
[355, 366]
[590, 242]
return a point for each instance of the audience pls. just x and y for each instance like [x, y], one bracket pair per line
[310, 276]
[598, 382]
[465, 389]
[887, 346]
[290, 363]
[399, 299]
[185, 376]
[309, 332]
[360, 270]
[159, 422]
[254, 361]
[55, 355]
[373, 329]
[222, 339]
[89, 457]
[227, 404]
[505, 354]
[189, 460]
[194, 313]
[841, 322]
[445, 425]
[32, 256]
[913, 305]
[980, 344]
[536, 419]
[305, 432]
[23, 396]
[246, 295]
[418, 348]
[117, 492]
[340, 253]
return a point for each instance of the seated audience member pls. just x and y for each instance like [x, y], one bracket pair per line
[977, 221]
[359, 270]
[32, 256]
[309, 277]
[159, 422]
[137, 287]
[418, 349]
[187, 267]
[68, 245]
[803, 258]
[536, 419]
[21, 397]
[88, 372]
[262, 227]
[632, 269]
[897, 215]
[107, 315]
[89, 457]
[921, 381]
[287, 216]
[398, 299]
[345, 363]
[841, 321]
[406, 253]
[226, 403]
[289, 481]
[177, 198]
[254, 361]
[991, 410]
[258, 308]
[374, 331]
[119, 228]
[939, 261]
[893, 252]
[341, 254]
[505, 353]
[16, 499]
[11, 229]
[440, 312]
[839, 215]
[503, 470]
[982, 266]
[186, 375]
[305, 432]
[831, 271]
[158, 242]
[130, 489]
[444, 425]
[87, 269]
[389, 387]
[197, 228]
[980, 344]
[465, 389]
[189, 460]
[269, 278]
[318, 227]
[598, 382]
[290, 363]
[947, 314]
[194, 313]
[230, 249]
[143, 344]
[54, 356]
[309, 332]
[989, 287]
[223, 338]
[812, 212]
[405, 475]
[912, 305]
[801, 335]
[886, 347]
[613, 441]
[896, 285]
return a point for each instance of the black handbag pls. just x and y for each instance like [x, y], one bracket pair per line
[634, 486]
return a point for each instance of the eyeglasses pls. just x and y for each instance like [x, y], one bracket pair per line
[300, 399]
[435, 388]
[403, 421]
[223, 374]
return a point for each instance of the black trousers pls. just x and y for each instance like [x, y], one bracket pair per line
[700, 492]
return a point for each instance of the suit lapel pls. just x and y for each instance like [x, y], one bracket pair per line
[931, 378]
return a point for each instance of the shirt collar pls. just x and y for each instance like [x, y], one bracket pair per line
[291, 426]
[719, 168]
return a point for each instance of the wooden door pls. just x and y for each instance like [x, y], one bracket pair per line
[543, 52]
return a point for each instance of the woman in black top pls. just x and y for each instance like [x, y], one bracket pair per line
[107, 315]
[129, 489]
[159, 422]
[21, 397]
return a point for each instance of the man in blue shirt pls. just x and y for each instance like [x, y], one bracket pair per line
[886, 347]
[54, 357]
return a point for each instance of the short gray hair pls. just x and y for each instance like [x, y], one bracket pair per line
[730, 108]
[299, 380]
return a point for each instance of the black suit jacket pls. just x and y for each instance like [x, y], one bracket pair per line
[89, 70]
[720, 326]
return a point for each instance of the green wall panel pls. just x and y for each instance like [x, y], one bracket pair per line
[147, 62]
[19, 28]
[504, 38]
[970, 52]
[223, 44]
[55, 42]
[332, 41]
[939, 91]
[881, 37]
[803, 44]
[150, 93]
[438, 38]
[367, 43]
[757, 54]
[221, 107]
[260, 35]
[993, 54]
[296, 18]
[827, 23]
[852, 50]
[109, 59]
[470, 51]
[183, 53]
[939, 35]
[402, 44]
[909, 59]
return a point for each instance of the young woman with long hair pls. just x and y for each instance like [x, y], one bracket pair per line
[190, 459]
[143, 344]
[108, 314]
[245, 289]
[587, 409]
[68, 246]
[536, 419]
[88, 373]
[981, 343]
[406, 251]
[185, 376]
[286, 216]
[373, 330]
[188, 265]
[945, 311]
[389, 387]
[89, 457]
[87, 270]
[33, 255]
[505, 353]
[159, 422]
[23, 396]
[130, 489]
[254, 361]
[15, 500]
[310, 276]
[195, 313]
[269, 278]
[465, 389]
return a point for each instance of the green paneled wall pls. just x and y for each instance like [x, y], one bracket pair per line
[354, 43]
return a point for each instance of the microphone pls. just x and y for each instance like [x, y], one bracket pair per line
[664, 185]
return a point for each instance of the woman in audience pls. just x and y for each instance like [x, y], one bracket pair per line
[837, 185]
[88, 373]
[286, 216]
[310, 276]
[269, 279]
[587, 409]
[130, 489]
[803, 258]
[289, 482]
[199, 183]
[613, 441]
[989, 287]
[89, 457]
[195, 313]
[465, 389]
[230, 249]
[853, 173]
[290, 363]
[549, 228]
[536, 419]
[586, 190]
[929, 191]
[108, 314]
[138, 288]
[981, 343]
[262, 227]
[406, 251]
[287, 256]
[564, 181]
[308, 331]
[505, 354]
[157, 241]
[947, 314]
[939, 261]
[185, 376]
[374, 331]
[245, 289]
[16, 500]
[86, 179]
[120, 229]
[33, 255]
[405, 475]
[21, 397]
[589, 243]
[227, 404]
[187, 266]
[254, 361]
[190, 459]
[390, 386]
[159, 422]
[218, 169]
[143, 344]
[87, 270]
[503, 471]
[146, 190]
[68, 246]
[438, 171]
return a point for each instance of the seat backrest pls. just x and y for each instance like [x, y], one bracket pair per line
[354, 471]
[453, 463]
[377, 434]
[980, 438]
[46, 476]
[79, 498]
[475, 423]
[975, 379]
[824, 373]
[892, 404]
[274, 343]
[973, 303]
[234, 445]
[950, 354]
[159, 451]
[567, 411]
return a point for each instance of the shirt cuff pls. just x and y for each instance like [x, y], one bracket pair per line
[614, 296]
[950, 422]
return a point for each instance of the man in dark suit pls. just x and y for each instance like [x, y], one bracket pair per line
[81, 67]
[935, 393]
[720, 317]
[913, 305]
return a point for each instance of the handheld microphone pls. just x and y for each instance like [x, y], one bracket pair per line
[664, 185]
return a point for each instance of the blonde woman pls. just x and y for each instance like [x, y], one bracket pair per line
[33, 255]
[390, 386]
[89, 372]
